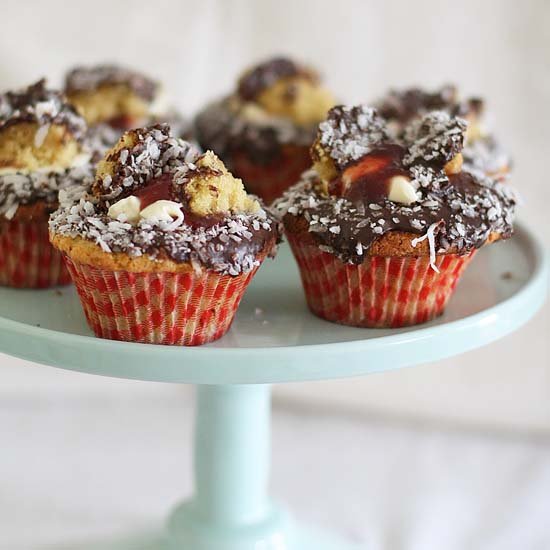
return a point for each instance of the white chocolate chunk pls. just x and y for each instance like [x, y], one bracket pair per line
[402, 190]
[129, 207]
[162, 210]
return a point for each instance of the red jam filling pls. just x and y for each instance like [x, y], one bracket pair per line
[367, 179]
[156, 190]
[123, 122]
[159, 189]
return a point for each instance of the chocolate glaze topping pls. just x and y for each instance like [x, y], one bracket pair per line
[28, 188]
[268, 73]
[435, 138]
[157, 167]
[91, 78]
[458, 211]
[404, 105]
[226, 130]
[226, 126]
[155, 152]
[42, 106]
[230, 245]
[481, 154]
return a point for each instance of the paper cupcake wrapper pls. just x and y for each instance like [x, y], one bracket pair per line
[380, 292]
[27, 259]
[185, 309]
[270, 181]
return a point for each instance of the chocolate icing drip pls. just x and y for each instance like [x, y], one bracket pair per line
[156, 166]
[268, 73]
[234, 252]
[460, 210]
[465, 213]
[42, 106]
[226, 244]
[91, 78]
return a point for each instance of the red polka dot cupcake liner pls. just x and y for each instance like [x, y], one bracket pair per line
[182, 309]
[27, 259]
[270, 181]
[381, 292]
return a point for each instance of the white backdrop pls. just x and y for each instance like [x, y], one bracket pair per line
[499, 49]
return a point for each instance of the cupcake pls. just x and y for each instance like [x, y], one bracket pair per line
[114, 99]
[383, 227]
[264, 129]
[481, 154]
[164, 242]
[41, 153]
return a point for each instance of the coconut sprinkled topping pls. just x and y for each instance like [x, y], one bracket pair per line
[403, 105]
[154, 195]
[482, 153]
[100, 138]
[144, 154]
[229, 127]
[229, 245]
[266, 74]
[430, 237]
[26, 188]
[276, 103]
[464, 211]
[42, 106]
[436, 137]
[91, 78]
[485, 155]
[351, 132]
[348, 208]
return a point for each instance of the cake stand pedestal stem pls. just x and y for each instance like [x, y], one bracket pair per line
[230, 509]
[232, 453]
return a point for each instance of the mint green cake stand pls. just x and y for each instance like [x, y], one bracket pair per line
[273, 339]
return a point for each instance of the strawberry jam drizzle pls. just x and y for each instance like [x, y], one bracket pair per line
[157, 189]
[367, 179]
[163, 188]
[123, 122]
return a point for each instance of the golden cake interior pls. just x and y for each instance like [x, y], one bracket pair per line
[108, 102]
[21, 149]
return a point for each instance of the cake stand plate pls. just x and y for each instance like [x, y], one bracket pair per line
[274, 338]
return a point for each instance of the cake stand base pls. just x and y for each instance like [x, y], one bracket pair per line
[294, 539]
[276, 532]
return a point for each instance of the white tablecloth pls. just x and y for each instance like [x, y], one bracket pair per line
[77, 467]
